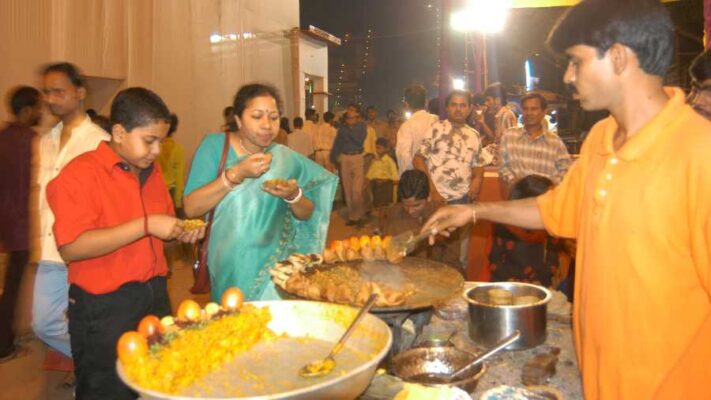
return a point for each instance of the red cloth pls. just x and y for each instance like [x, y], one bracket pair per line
[96, 191]
[15, 159]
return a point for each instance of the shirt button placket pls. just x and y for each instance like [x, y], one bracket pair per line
[602, 191]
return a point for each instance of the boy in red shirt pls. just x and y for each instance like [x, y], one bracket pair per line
[113, 212]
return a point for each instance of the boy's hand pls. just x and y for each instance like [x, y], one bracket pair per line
[192, 236]
[164, 227]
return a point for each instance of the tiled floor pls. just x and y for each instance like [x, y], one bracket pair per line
[25, 379]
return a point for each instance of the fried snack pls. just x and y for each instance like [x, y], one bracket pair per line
[367, 252]
[274, 183]
[500, 297]
[330, 256]
[193, 224]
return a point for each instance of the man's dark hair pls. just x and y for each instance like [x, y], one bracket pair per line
[371, 108]
[284, 124]
[535, 96]
[478, 99]
[461, 93]
[530, 186]
[309, 113]
[21, 97]
[298, 122]
[69, 70]
[642, 25]
[91, 113]
[433, 106]
[138, 107]
[328, 116]
[700, 69]
[173, 124]
[382, 142]
[252, 90]
[497, 91]
[355, 107]
[413, 183]
[416, 96]
[103, 122]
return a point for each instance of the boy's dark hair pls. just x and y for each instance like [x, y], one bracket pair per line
[371, 108]
[700, 69]
[497, 91]
[461, 93]
[21, 97]
[173, 124]
[284, 124]
[642, 25]
[416, 96]
[533, 95]
[328, 116]
[69, 70]
[382, 142]
[138, 107]
[298, 122]
[309, 113]
[413, 183]
[252, 90]
[103, 122]
[530, 186]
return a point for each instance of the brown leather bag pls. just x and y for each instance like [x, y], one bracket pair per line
[200, 269]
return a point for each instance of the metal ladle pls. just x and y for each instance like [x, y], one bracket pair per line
[478, 360]
[322, 367]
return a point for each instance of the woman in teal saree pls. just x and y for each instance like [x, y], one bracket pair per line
[257, 225]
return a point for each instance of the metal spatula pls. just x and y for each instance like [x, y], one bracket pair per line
[403, 244]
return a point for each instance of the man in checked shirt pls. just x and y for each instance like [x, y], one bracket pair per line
[532, 149]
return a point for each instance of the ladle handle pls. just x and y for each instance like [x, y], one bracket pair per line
[498, 346]
[368, 305]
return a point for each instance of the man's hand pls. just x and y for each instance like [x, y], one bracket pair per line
[473, 194]
[164, 227]
[447, 219]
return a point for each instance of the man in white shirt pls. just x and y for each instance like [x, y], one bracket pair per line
[300, 141]
[75, 134]
[323, 142]
[412, 131]
[495, 100]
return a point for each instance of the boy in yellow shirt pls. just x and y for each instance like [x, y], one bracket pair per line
[381, 177]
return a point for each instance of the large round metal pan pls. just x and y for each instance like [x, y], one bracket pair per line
[433, 281]
[307, 319]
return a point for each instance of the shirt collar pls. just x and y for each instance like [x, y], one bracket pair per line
[108, 158]
[638, 144]
[545, 132]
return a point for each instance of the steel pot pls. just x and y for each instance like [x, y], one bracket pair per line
[431, 366]
[489, 323]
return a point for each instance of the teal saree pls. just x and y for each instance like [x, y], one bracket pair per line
[252, 229]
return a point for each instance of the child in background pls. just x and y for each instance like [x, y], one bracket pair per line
[381, 177]
[112, 213]
[524, 255]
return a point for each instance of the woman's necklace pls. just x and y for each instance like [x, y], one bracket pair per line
[244, 148]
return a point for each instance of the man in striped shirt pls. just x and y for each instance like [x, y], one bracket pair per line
[532, 149]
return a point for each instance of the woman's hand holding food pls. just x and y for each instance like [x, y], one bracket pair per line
[253, 166]
[285, 189]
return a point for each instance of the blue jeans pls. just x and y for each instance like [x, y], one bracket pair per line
[49, 306]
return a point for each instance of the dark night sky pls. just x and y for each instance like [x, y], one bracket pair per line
[404, 44]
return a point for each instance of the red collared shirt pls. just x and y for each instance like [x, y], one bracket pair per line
[97, 191]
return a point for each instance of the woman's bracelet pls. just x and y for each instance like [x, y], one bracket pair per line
[296, 198]
[229, 184]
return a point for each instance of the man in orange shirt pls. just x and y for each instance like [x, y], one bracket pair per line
[112, 212]
[639, 202]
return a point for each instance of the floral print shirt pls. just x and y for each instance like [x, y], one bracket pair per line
[450, 154]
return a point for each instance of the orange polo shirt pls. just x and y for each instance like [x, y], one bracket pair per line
[97, 191]
[642, 217]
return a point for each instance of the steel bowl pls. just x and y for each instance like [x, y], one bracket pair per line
[302, 319]
[490, 323]
[431, 366]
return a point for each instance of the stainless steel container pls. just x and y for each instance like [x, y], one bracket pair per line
[431, 366]
[490, 323]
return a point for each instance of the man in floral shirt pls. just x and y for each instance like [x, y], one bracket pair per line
[451, 154]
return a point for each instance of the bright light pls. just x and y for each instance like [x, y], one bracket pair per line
[485, 16]
[408, 114]
[458, 84]
[215, 38]
[529, 75]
